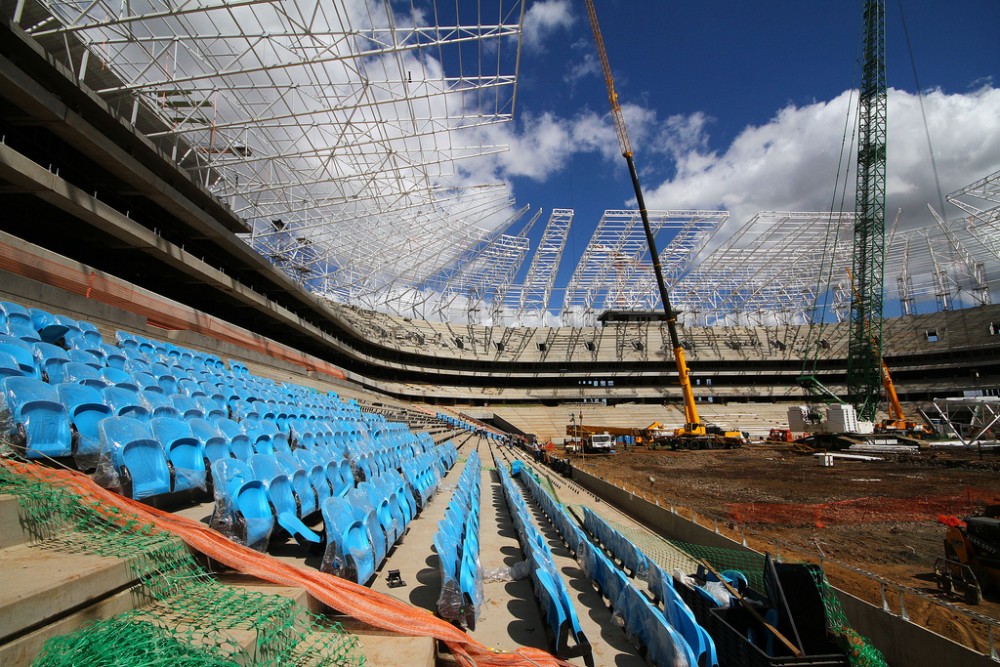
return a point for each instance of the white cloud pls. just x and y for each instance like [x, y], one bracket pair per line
[545, 18]
[790, 163]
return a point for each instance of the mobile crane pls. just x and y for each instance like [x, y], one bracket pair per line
[694, 433]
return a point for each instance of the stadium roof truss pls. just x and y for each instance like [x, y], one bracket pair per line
[614, 271]
[336, 130]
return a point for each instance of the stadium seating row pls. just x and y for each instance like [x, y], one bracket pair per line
[675, 611]
[457, 546]
[364, 524]
[155, 418]
[671, 636]
[550, 590]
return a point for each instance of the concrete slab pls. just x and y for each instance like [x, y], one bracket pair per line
[22, 651]
[11, 533]
[37, 584]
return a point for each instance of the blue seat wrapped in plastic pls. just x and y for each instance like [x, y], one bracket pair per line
[19, 322]
[187, 406]
[348, 551]
[680, 616]
[158, 404]
[304, 491]
[239, 441]
[242, 507]
[184, 451]
[560, 619]
[83, 373]
[215, 444]
[664, 645]
[387, 515]
[317, 474]
[9, 365]
[119, 378]
[132, 460]
[41, 423]
[49, 329]
[22, 355]
[282, 495]
[50, 361]
[364, 512]
[86, 411]
[125, 402]
[90, 332]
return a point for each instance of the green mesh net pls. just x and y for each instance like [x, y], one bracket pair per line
[185, 616]
[858, 649]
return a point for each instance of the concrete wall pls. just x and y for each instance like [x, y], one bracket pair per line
[903, 643]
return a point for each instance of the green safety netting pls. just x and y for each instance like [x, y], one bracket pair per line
[185, 616]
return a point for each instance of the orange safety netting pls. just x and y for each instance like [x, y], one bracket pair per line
[359, 602]
[867, 509]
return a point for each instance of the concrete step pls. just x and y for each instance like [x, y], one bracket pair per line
[23, 649]
[11, 533]
[39, 585]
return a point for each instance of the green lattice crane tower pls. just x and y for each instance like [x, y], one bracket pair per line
[864, 357]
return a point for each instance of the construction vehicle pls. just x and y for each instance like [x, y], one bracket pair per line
[971, 560]
[780, 435]
[693, 433]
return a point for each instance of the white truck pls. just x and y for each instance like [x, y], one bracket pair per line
[600, 443]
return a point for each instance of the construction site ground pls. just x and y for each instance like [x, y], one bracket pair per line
[876, 516]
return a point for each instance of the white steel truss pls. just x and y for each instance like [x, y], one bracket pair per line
[536, 291]
[336, 130]
[615, 272]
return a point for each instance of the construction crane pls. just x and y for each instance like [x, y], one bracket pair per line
[864, 354]
[693, 427]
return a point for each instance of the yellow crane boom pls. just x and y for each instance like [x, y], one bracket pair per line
[693, 425]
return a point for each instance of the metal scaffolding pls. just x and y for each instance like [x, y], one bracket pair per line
[614, 271]
[536, 291]
[335, 130]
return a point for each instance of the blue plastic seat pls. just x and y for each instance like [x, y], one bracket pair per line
[83, 373]
[9, 366]
[215, 444]
[184, 451]
[138, 465]
[348, 548]
[282, 495]
[40, 421]
[187, 406]
[22, 355]
[119, 378]
[242, 508]
[50, 360]
[90, 332]
[19, 322]
[49, 329]
[86, 410]
[125, 402]
[239, 441]
[304, 491]
[158, 404]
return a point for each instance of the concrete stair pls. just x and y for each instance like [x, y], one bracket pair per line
[49, 589]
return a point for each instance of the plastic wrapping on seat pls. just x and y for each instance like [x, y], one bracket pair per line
[183, 450]
[40, 425]
[131, 461]
[242, 512]
[86, 411]
[348, 552]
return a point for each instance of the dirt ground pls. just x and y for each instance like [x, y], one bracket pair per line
[880, 516]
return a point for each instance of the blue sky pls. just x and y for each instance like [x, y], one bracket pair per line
[741, 105]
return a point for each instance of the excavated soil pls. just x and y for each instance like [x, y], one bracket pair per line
[878, 516]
